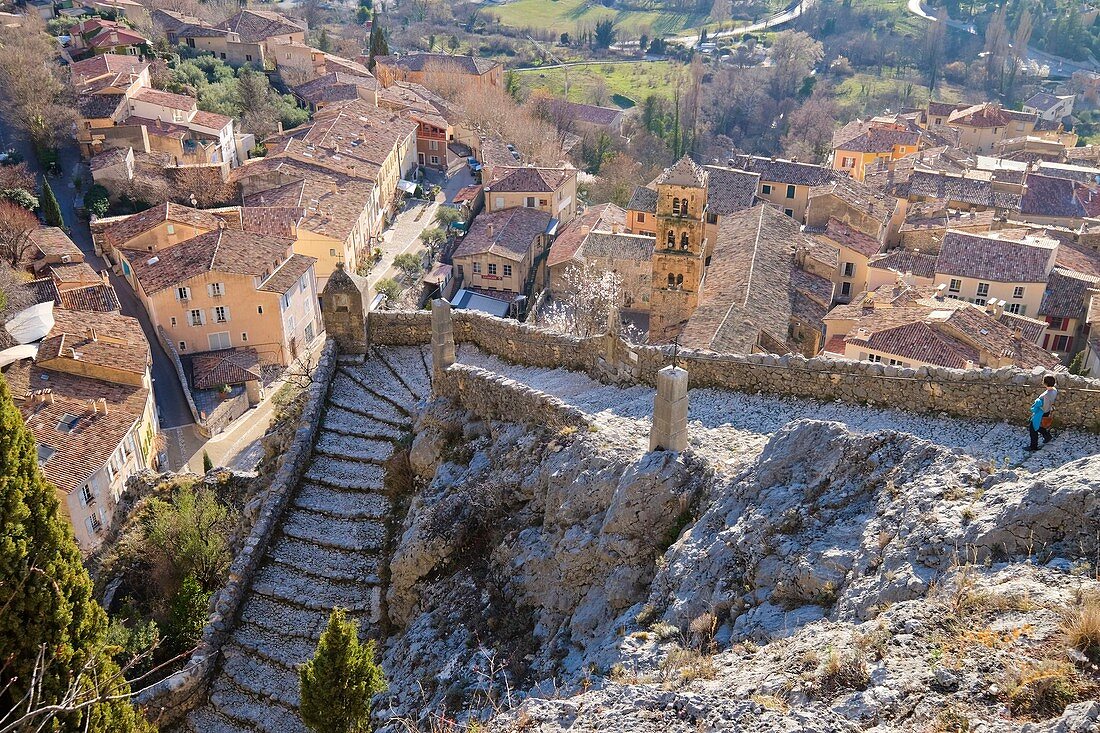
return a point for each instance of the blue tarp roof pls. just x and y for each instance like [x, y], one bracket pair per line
[469, 300]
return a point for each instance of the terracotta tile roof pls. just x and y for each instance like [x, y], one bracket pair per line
[728, 190]
[568, 242]
[112, 37]
[952, 188]
[99, 106]
[158, 128]
[54, 242]
[1042, 101]
[860, 137]
[643, 199]
[119, 343]
[523, 179]
[859, 197]
[279, 221]
[442, 62]
[918, 341]
[211, 120]
[77, 272]
[43, 290]
[289, 194]
[509, 233]
[108, 158]
[981, 220]
[750, 292]
[288, 274]
[254, 26]
[590, 114]
[99, 298]
[1030, 328]
[228, 366]
[118, 232]
[337, 63]
[1047, 196]
[334, 86]
[1072, 256]
[779, 170]
[903, 261]
[621, 246]
[993, 258]
[842, 234]
[105, 70]
[944, 109]
[1079, 173]
[684, 172]
[165, 99]
[987, 115]
[221, 250]
[1067, 294]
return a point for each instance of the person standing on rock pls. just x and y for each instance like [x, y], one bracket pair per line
[1040, 414]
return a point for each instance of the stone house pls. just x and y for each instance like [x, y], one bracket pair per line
[177, 126]
[103, 84]
[98, 36]
[858, 205]
[229, 288]
[87, 398]
[861, 143]
[504, 252]
[334, 87]
[1065, 307]
[1050, 107]
[553, 190]
[439, 69]
[981, 268]
[443, 140]
[785, 183]
[982, 126]
[855, 249]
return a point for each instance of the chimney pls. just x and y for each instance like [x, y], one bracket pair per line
[95, 407]
[91, 335]
[102, 402]
[489, 228]
[616, 229]
[1018, 334]
[48, 396]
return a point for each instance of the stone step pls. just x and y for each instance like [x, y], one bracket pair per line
[324, 562]
[289, 651]
[408, 363]
[343, 534]
[376, 378]
[295, 586]
[341, 502]
[351, 395]
[274, 684]
[348, 423]
[284, 618]
[341, 474]
[207, 720]
[365, 450]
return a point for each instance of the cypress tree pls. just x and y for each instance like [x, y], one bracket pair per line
[51, 211]
[378, 44]
[338, 683]
[46, 596]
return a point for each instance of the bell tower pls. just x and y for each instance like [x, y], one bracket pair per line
[679, 251]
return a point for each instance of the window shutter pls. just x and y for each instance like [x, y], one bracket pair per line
[210, 289]
[202, 318]
[83, 501]
[227, 314]
[89, 526]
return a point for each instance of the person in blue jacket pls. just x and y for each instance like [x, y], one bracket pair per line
[1042, 406]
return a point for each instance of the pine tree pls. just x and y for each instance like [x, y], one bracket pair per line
[46, 597]
[378, 44]
[338, 683]
[51, 210]
[207, 464]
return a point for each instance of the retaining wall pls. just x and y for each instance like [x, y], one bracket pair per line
[987, 394]
[496, 397]
[174, 696]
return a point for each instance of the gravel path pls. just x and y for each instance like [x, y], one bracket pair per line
[328, 551]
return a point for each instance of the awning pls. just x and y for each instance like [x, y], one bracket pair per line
[32, 324]
[18, 353]
[406, 186]
[469, 300]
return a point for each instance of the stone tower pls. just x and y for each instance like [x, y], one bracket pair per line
[680, 250]
[344, 307]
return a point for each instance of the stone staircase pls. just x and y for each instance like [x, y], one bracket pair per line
[328, 550]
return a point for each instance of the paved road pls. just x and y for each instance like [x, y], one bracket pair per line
[166, 386]
[1057, 64]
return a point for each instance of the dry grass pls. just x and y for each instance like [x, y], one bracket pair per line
[664, 631]
[841, 672]
[950, 720]
[1041, 689]
[688, 665]
[1081, 627]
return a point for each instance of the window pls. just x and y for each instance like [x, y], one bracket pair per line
[183, 346]
[712, 218]
[1061, 343]
[983, 290]
[1018, 308]
[477, 268]
[896, 362]
[641, 218]
[1018, 291]
[848, 163]
[244, 335]
[260, 309]
[435, 160]
[530, 202]
[216, 289]
[67, 423]
[498, 203]
[507, 271]
[285, 301]
[219, 340]
[671, 281]
[171, 228]
[221, 314]
[670, 240]
[93, 524]
[790, 191]
[543, 202]
[845, 288]
[849, 269]
[45, 453]
[222, 55]
[196, 318]
[332, 252]
[675, 207]
[461, 272]
[766, 189]
[183, 293]
[248, 57]
[955, 285]
[309, 332]
[683, 240]
[303, 283]
[87, 498]
[789, 212]
[1058, 324]
[874, 357]
[173, 320]
[492, 268]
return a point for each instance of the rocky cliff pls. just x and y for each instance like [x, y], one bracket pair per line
[828, 579]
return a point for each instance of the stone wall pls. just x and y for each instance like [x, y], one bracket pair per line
[987, 394]
[170, 348]
[173, 697]
[495, 397]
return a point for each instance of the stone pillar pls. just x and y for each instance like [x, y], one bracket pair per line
[670, 410]
[443, 335]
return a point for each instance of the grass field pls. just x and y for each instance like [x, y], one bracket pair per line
[868, 93]
[596, 82]
[569, 16]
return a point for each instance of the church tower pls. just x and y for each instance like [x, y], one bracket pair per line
[679, 251]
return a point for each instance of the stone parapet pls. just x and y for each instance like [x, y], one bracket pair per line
[173, 697]
[492, 396]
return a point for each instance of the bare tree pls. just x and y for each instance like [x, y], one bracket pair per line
[16, 226]
[810, 129]
[585, 303]
[1019, 46]
[933, 47]
[201, 186]
[793, 55]
[996, 47]
[31, 83]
